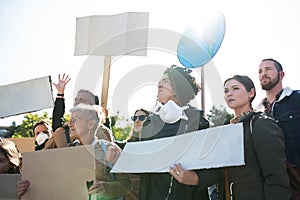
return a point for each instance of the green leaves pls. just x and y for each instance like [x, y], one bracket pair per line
[219, 116]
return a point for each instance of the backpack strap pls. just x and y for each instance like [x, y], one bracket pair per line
[67, 134]
[251, 125]
[254, 117]
[103, 146]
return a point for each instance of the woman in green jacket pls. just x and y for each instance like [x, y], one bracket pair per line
[264, 175]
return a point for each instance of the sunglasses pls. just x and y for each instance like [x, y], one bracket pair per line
[140, 118]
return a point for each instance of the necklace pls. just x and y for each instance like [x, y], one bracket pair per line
[237, 119]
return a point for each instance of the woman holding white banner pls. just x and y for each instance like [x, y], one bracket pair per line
[172, 116]
[264, 175]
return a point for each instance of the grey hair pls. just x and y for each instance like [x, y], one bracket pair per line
[94, 98]
[89, 111]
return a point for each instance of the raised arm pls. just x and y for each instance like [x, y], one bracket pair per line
[59, 106]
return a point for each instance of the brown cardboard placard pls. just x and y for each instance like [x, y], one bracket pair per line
[24, 144]
[8, 186]
[59, 173]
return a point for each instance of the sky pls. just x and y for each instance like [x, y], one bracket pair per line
[37, 39]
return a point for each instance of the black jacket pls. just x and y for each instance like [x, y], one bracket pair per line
[264, 176]
[155, 186]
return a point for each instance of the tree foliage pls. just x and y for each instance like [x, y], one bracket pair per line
[121, 127]
[219, 116]
[26, 128]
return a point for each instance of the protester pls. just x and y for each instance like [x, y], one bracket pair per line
[110, 186]
[63, 135]
[139, 118]
[172, 116]
[10, 158]
[264, 174]
[83, 96]
[85, 121]
[42, 132]
[283, 104]
[11, 162]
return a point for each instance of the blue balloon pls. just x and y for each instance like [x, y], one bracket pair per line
[200, 43]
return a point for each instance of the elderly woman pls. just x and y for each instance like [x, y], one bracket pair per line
[264, 175]
[173, 116]
[87, 119]
[67, 134]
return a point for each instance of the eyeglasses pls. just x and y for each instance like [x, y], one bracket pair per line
[74, 120]
[140, 118]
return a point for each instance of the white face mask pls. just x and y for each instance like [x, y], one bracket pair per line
[170, 112]
[41, 138]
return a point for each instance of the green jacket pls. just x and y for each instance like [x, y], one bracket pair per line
[264, 177]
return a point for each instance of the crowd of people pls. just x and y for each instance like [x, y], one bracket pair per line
[270, 132]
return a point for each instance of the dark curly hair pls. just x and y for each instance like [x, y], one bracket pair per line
[184, 85]
[11, 152]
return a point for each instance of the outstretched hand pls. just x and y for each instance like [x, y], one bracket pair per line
[62, 82]
[187, 177]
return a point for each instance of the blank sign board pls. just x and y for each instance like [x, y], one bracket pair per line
[112, 35]
[26, 96]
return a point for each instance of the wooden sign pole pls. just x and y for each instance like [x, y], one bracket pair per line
[202, 91]
[105, 81]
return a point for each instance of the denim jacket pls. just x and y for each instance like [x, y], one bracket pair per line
[286, 112]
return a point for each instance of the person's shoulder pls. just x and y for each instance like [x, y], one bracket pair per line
[264, 123]
[104, 128]
[193, 110]
[287, 91]
[264, 128]
[60, 131]
[296, 92]
[261, 116]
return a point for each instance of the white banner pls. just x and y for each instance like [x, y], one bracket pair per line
[112, 35]
[26, 96]
[8, 186]
[210, 148]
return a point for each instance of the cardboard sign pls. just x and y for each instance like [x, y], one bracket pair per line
[210, 148]
[24, 144]
[26, 96]
[59, 173]
[111, 35]
[8, 186]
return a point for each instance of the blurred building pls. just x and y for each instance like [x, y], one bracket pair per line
[4, 131]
